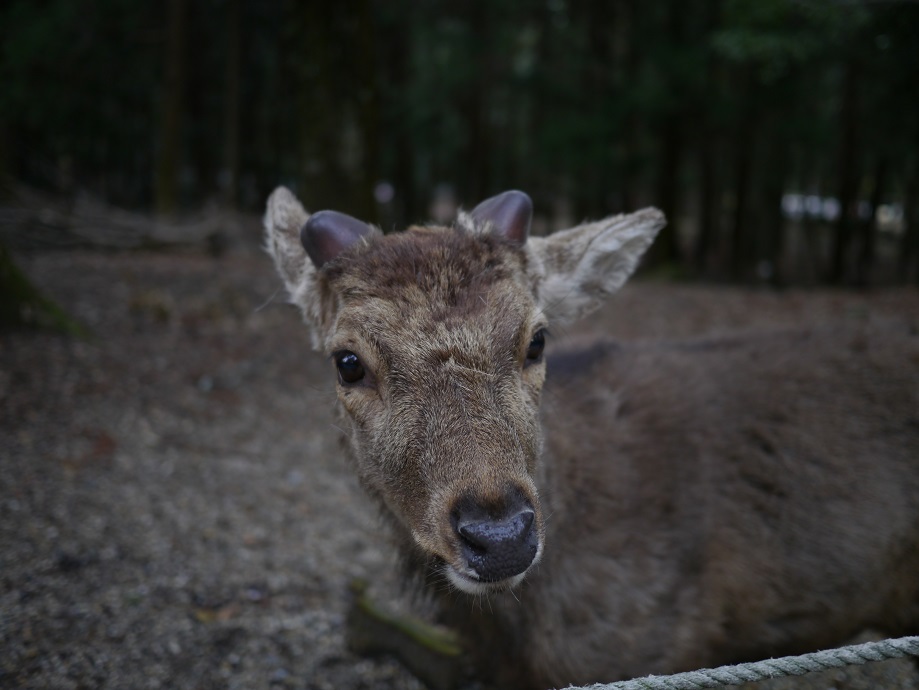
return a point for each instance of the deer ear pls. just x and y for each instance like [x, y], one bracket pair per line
[508, 213]
[578, 268]
[328, 233]
[283, 219]
[300, 244]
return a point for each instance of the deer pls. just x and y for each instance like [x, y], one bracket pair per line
[604, 511]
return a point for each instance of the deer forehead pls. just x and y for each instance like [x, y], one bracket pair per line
[451, 262]
[430, 289]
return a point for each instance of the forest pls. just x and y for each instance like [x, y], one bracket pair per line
[781, 137]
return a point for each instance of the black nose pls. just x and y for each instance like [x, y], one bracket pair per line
[497, 549]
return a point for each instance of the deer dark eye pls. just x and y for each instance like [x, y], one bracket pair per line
[536, 346]
[350, 369]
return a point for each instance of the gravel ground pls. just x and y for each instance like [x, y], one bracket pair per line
[174, 509]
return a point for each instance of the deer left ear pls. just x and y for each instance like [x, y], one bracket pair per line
[509, 214]
[578, 268]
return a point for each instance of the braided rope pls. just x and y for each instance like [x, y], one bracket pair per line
[771, 668]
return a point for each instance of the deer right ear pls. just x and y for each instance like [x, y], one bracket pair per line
[300, 244]
[284, 217]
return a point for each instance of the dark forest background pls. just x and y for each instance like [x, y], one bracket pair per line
[781, 137]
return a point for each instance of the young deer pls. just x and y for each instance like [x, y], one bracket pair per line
[671, 507]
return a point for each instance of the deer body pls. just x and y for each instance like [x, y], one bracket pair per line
[618, 511]
[724, 527]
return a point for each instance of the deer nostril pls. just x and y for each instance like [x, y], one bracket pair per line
[486, 533]
[498, 549]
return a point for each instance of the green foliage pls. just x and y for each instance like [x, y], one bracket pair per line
[79, 81]
[777, 35]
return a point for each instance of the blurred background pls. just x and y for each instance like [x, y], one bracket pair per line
[781, 137]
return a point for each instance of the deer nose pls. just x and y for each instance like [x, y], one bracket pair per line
[499, 549]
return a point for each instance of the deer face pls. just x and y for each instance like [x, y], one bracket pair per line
[439, 368]
[437, 336]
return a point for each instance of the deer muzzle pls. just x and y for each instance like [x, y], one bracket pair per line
[496, 547]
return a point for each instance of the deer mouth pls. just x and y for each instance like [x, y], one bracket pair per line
[466, 579]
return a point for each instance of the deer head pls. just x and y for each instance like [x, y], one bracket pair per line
[437, 336]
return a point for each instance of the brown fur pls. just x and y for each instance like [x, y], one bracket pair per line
[697, 503]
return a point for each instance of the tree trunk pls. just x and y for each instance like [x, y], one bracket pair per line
[322, 113]
[709, 207]
[407, 209]
[6, 159]
[709, 192]
[172, 109]
[368, 109]
[545, 176]
[232, 105]
[908, 261]
[666, 248]
[739, 230]
[848, 178]
[477, 182]
[599, 18]
[772, 227]
[630, 64]
[743, 166]
[868, 226]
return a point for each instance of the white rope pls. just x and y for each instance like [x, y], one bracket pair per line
[771, 668]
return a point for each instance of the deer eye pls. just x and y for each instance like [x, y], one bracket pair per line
[350, 369]
[535, 348]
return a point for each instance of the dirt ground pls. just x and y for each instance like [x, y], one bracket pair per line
[174, 509]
